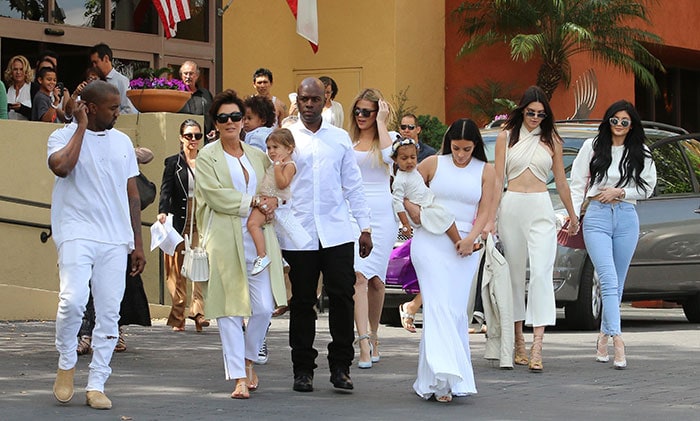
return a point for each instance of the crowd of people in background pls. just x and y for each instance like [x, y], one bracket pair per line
[282, 197]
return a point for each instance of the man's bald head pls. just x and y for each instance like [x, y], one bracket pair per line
[98, 91]
[310, 101]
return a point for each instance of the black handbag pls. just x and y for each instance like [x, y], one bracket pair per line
[147, 190]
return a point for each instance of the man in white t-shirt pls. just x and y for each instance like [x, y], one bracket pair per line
[96, 223]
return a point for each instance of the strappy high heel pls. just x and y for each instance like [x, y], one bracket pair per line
[536, 354]
[364, 364]
[520, 357]
[620, 361]
[601, 346]
[374, 349]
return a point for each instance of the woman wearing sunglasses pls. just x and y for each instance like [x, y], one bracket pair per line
[372, 144]
[614, 170]
[176, 194]
[527, 150]
[229, 177]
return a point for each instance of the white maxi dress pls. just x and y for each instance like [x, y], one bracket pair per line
[385, 227]
[444, 361]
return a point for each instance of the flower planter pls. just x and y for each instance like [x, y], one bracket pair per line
[158, 100]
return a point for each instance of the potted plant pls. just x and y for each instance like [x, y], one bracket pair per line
[155, 90]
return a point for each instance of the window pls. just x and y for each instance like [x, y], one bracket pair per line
[673, 175]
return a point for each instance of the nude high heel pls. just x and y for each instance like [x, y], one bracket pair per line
[520, 357]
[601, 346]
[536, 355]
[620, 362]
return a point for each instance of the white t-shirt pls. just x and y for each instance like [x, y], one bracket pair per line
[91, 203]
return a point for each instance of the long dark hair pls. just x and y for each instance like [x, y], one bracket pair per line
[516, 117]
[464, 129]
[632, 162]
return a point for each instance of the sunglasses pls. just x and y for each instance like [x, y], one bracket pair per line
[190, 136]
[235, 116]
[364, 112]
[614, 121]
[408, 127]
[534, 114]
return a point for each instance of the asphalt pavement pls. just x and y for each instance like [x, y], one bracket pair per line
[166, 375]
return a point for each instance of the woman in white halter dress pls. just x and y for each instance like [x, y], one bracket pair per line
[463, 183]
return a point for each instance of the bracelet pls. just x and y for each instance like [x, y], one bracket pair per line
[256, 201]
[55, 107]
[278, 163]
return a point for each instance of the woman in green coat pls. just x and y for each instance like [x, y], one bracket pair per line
[229, 173]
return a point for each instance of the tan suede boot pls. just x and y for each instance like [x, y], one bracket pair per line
[63, 386]
[97, 400]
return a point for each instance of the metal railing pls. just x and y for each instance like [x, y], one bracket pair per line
[46, 233]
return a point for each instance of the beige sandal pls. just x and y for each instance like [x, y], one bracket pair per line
[121, 342]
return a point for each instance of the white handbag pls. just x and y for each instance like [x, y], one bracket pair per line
[195, 265]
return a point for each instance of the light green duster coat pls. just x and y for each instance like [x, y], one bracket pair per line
[226, 293]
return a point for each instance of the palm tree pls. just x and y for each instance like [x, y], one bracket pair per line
[558, 29]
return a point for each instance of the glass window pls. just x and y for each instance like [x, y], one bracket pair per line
[197, 27]
[134, 16]
[671, 169]
[28, 9]
[87, 13]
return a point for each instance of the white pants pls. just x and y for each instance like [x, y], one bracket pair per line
[526, 225]
[84, 265]
[238, 346]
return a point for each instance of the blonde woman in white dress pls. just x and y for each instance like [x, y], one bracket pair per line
[372, 144]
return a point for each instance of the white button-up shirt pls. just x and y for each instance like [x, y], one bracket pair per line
[327, 187]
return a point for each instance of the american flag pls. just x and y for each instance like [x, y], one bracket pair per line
[171, 12]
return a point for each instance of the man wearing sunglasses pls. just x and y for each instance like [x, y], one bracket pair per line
[409, 128]
[325, 189]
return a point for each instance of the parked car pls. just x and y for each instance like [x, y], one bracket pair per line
[666, 263]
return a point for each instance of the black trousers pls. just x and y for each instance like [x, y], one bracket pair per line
[336, 264]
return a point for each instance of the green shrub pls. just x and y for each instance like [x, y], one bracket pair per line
[432, 130]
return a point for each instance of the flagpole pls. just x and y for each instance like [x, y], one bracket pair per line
[221, 11]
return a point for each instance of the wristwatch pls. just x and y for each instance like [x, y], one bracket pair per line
[404, 229]
[367, 230]
[278, 162]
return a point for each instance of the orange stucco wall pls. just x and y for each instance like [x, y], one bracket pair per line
[681, 45]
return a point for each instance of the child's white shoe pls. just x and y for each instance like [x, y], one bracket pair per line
[260, 264]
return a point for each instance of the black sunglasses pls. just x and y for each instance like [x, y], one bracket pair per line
[534, 114]
[234, 116]
[408, 126]
[190, 136]
[614, 121]
[364, 112]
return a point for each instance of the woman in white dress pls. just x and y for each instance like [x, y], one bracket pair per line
[372, 144]
[463, 183]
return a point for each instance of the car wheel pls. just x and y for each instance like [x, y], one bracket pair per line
[390, 317]
[691, 308]
[585, 312]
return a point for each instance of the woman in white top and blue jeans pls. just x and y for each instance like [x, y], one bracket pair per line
[618, 170]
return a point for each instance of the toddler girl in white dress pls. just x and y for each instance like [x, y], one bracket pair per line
[409, 183]
[278, 177]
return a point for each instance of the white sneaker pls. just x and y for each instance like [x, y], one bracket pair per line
[260, 264]
[262, 353]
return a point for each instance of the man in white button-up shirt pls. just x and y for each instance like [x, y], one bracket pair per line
[326, 189]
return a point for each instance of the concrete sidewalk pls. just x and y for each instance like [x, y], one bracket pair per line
[165, 375]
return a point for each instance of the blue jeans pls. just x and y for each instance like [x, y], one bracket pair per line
[611, 232]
